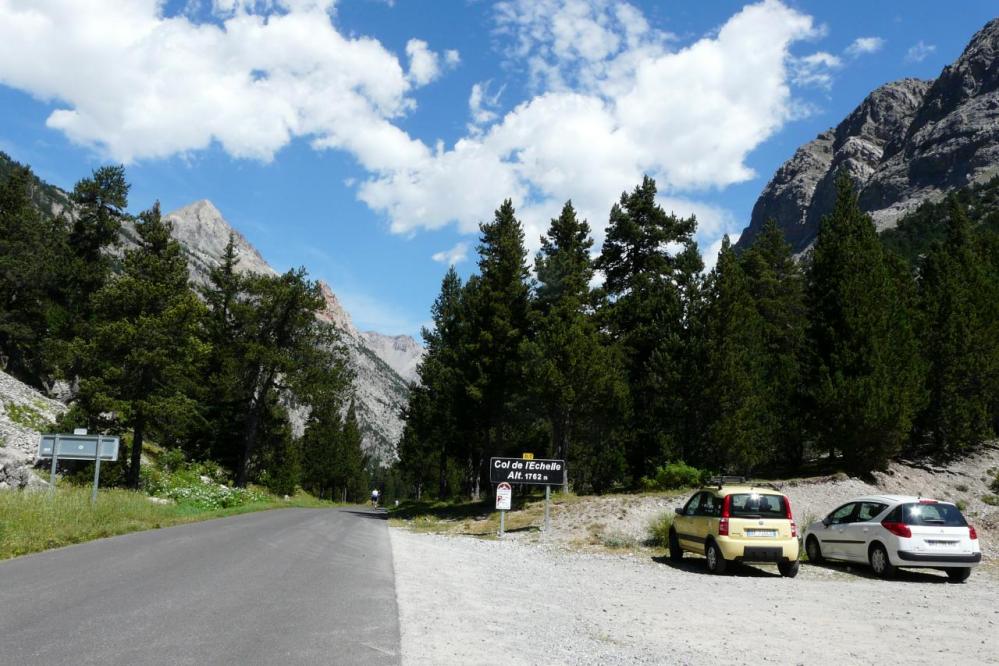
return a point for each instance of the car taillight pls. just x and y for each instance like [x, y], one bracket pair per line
[971, 532]
[896, 528]
[726, 511]
[787, 513]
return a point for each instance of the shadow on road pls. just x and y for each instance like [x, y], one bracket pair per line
[696, 565]
[901, 576]
[377, 514]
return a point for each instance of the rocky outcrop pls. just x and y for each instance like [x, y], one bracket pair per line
[24, 414]
[908, 142]
[401, 352]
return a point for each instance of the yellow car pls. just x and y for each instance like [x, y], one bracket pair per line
[736, 523]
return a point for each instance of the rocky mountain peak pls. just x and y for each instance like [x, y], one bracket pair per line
[907, 142]
[203, 231]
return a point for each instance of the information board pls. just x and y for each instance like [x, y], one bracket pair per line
[78, 447]
[504, 497]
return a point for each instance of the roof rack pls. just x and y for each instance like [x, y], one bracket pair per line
[722, 480]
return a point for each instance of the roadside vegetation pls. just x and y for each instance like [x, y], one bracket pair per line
[37, 521]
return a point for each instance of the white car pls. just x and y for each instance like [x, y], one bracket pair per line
[891, 531]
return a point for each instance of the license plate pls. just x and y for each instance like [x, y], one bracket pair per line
[761, 533]
[941, 544]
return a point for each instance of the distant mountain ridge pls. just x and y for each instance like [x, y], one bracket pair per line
[908, 142]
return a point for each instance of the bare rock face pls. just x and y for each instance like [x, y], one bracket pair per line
[204, 233]
[908, 142]
[24, 414]
[401, 352]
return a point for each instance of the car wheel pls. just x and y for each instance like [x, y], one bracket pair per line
[716, 563]
[675, 552]
[958, 574]
[788, 569]
[813, 550]
[880, 563]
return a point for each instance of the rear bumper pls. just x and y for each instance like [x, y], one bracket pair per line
[759, 550]
[906, 556]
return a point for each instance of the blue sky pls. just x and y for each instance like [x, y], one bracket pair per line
[365, 139]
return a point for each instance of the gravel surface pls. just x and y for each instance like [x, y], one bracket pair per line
[473, 601]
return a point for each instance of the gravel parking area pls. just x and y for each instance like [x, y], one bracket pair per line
[473, 601]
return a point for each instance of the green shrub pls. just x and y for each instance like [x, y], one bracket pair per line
[203, 485]
[659, 531]
[675, 475]
[991, 500]
[961, 505]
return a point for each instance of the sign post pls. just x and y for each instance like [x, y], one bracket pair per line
[528, 471]
[78, 447]
[504, 495]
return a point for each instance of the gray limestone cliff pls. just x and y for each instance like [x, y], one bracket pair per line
[908, 142]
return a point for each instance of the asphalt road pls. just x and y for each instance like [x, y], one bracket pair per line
[292, 586]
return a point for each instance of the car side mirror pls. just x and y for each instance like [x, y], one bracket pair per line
[826, 522]
[679, 510]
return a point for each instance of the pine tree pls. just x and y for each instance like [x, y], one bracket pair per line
[651, 266]
[31, 246]
[498, 306]
[139, 362]
[570, 371]
[864, 370]
[777, 286]
[280, 345]
[437, 418]
[958, 304]
[737, 436]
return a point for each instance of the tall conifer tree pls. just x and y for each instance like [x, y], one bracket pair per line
[959, 306]
[865, 373]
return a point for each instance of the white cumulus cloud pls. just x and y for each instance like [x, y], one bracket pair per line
[613, 99]
[864, 45]
[454, 256]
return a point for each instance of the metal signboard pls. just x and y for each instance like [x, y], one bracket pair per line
[504, 495]
[533, 472]
[78, 447]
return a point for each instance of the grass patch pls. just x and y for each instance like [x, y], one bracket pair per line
[991, 500]
[37, 521]
[28, 417]
[475, 518]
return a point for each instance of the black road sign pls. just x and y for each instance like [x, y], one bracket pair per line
[535, 472]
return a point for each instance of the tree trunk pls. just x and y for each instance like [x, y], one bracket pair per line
[138, 434]
[252, 429]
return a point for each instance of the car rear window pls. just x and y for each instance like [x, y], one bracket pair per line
[757, 505]
[936, 514]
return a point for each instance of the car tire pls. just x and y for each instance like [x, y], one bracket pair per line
[958, 574]
[715, 560]
[675, 552]
[813, 550]
[788, 569]
[878, 557]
